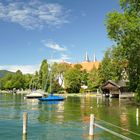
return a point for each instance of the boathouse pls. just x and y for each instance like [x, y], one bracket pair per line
[114, 89]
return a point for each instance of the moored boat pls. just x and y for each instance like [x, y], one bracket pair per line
[52, 97]
[34, 95]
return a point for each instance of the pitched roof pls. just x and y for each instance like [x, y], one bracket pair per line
[89, 65]
[113, 85]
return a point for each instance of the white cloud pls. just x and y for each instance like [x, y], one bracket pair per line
[31, 68]
[33, 13]
[63, 58]
[55, 60]
[54, 46]
[24, 68]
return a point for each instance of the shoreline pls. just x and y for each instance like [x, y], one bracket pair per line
[79, 94]
[17, 92]
[26, 92]
[65, 94]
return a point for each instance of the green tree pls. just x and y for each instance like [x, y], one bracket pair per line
[27, 78]
[113, 64]
[13, 80]
[84, 77]
[6, 82]
[93, 79]
[106, 68]
[58, 71]
[18, 80]
[78, 66]
[73, 80]
[34, 81]
[124, 29]
[60, 68]
[43, 74]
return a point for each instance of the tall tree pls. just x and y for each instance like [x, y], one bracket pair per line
[58, 71]
[113, 64]
[73, 80]
[124, 29]
[93, 79]
[27, 79]
[43, 74]
[34, 81]
[18, 80]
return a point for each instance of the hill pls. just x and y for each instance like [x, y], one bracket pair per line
[4, 72]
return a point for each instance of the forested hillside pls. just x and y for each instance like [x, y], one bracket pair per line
[4, 72]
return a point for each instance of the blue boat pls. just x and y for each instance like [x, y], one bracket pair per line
[52, 97]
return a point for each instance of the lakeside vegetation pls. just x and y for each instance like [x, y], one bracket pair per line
[120, 62]
[124, 29]
[74, 78]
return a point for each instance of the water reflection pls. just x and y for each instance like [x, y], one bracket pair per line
[124, 122]
[51, 111]
[137, 116]
[68, 119]
[49, 102]
[32, 101]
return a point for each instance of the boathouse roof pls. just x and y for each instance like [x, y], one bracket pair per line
[113, 85]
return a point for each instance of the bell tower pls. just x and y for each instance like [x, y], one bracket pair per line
[94, 58]
[87, 58]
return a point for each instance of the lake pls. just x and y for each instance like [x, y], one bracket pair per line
[67, 120]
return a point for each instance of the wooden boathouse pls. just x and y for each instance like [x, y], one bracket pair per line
[115, 89]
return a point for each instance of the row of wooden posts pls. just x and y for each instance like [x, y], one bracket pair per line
[91, 127]
[25, 121]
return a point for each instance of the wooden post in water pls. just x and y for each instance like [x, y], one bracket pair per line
[24, 137]
[91, 127]
[137, 113]
[137, 116]
[25, 119]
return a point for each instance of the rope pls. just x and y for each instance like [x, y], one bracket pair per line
[112, 132]
[120, 127]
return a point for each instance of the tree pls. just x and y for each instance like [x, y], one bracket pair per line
[34, 81]
[27, 78]
[13, 80]
[6, 82]
[58, 72]
[124, 29]
[113, 64]
[78, 66]
[84, 77]
[73, 80]
[43, 74]
[93, 79]
[18, 80]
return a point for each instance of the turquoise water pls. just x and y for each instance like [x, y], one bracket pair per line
[68, 120]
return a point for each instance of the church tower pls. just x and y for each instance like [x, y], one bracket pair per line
[94, 58]
[86, 57]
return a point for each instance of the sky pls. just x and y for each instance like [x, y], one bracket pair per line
[56, 30]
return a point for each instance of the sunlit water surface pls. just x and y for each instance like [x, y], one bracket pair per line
[67, 120]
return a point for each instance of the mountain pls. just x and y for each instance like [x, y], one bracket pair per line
[4, 72]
